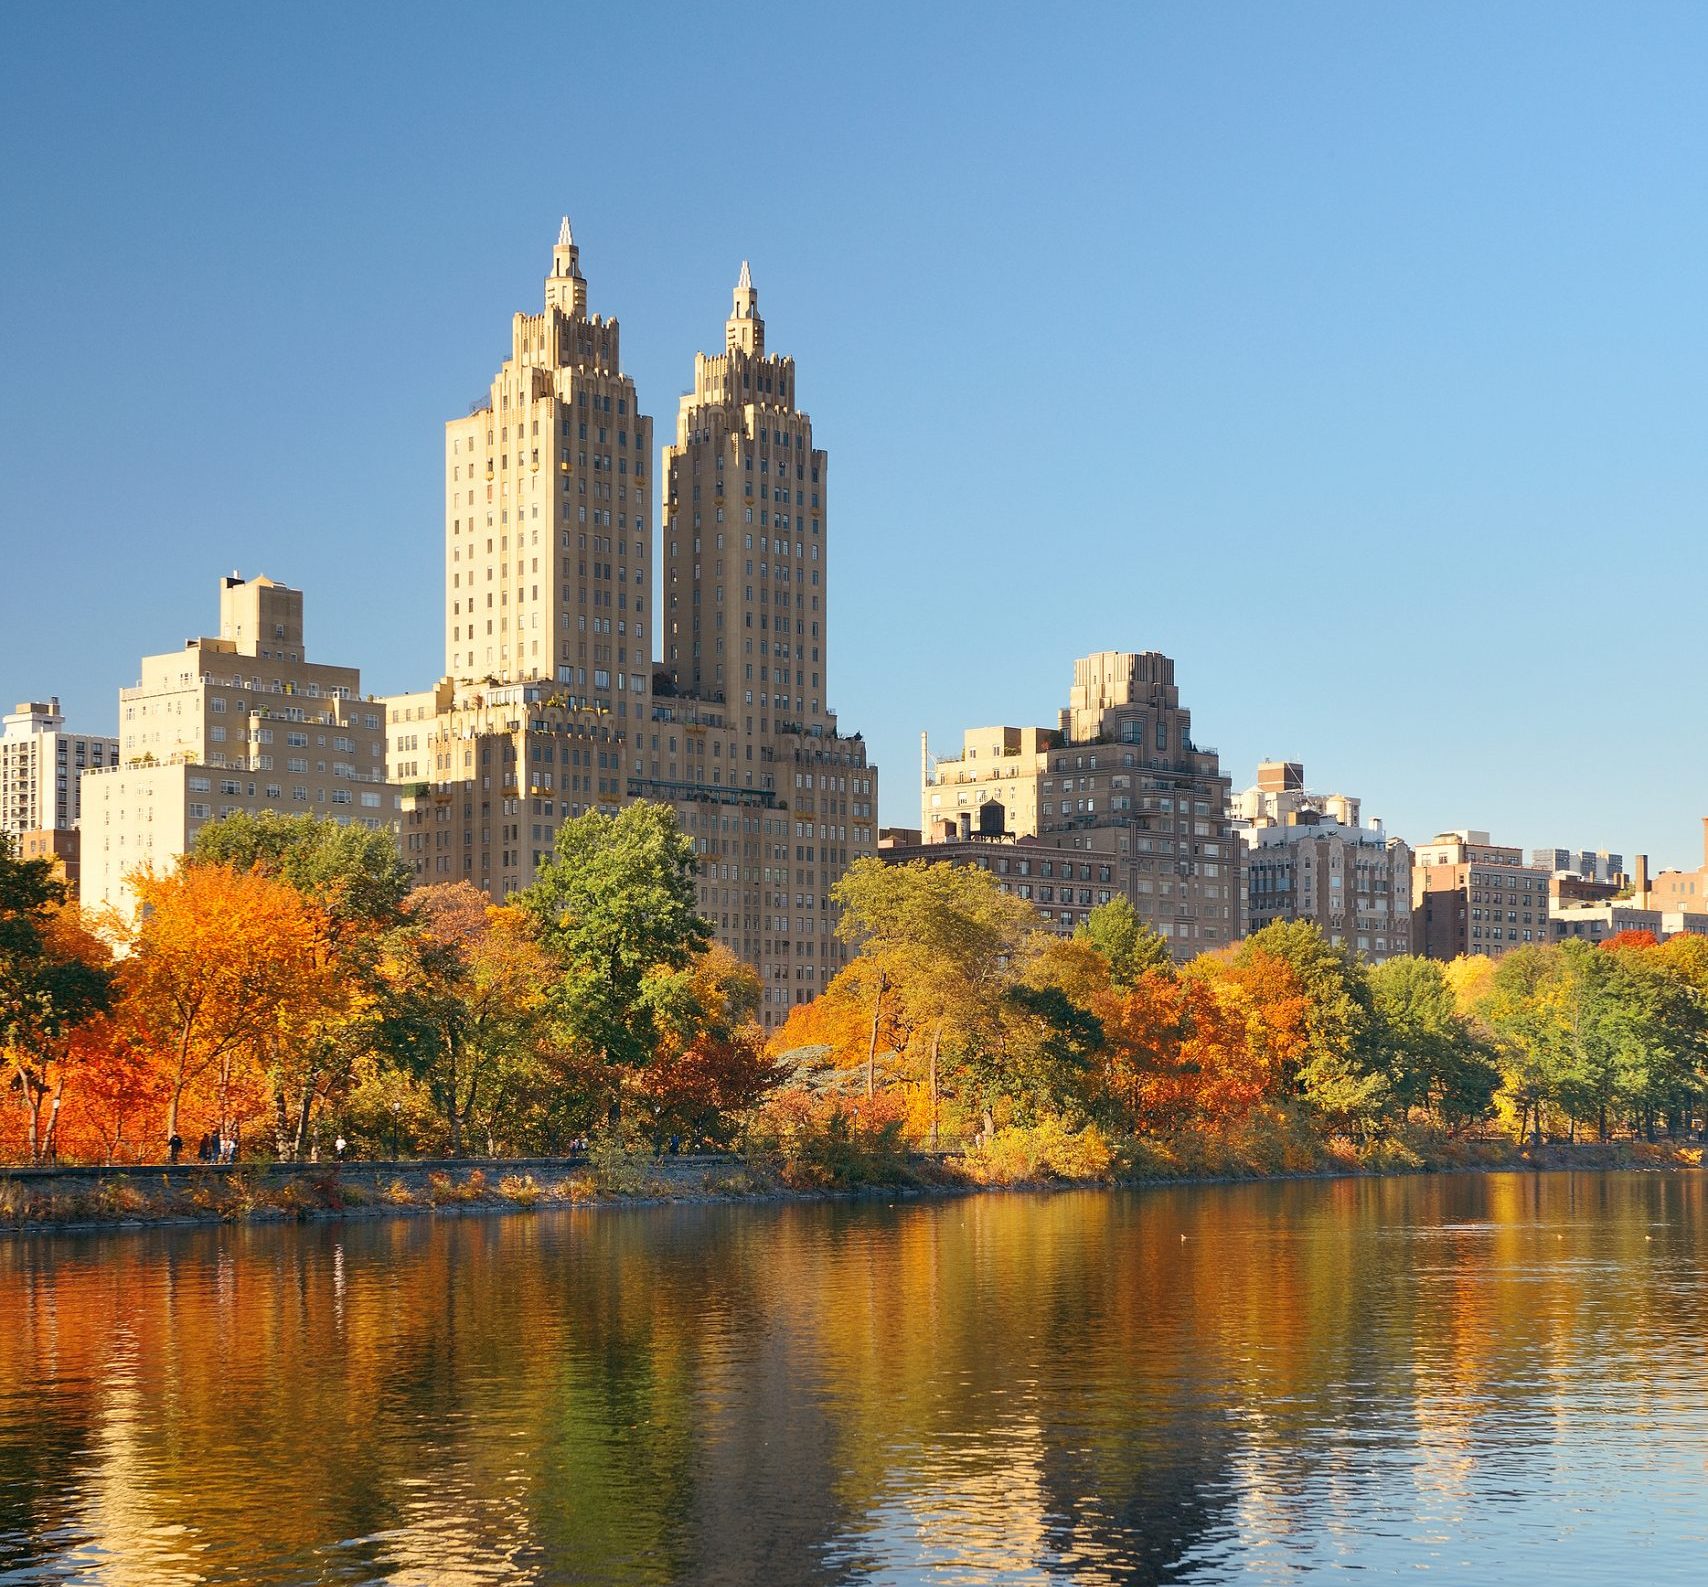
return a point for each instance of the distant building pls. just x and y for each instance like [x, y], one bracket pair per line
[242, 722]
[41, 765]
[1005, 764]
[1589, 865]
[1598, 922]
[1119, 782]
[1064, 875]
[60, 848]
[1473, 896]
[1307, 858]
[1684, 890]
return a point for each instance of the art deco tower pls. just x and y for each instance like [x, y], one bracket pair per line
[548, 511]
[746, 745]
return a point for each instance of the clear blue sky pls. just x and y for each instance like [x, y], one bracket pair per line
[1352, 355]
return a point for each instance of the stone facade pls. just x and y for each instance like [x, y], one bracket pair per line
[552, 704]
[1308, 858]
[244, 722]
[1121, 781]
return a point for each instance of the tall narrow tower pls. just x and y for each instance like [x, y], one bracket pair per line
[779, 803]
[746, 553]
[548, 512]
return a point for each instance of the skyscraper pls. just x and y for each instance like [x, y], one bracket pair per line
[745, 743]
[551, 704]
[548, 511]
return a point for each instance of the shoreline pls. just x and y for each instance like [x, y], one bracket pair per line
[80, 1200]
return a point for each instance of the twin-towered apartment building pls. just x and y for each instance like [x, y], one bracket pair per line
[569, 686]
[564, 688]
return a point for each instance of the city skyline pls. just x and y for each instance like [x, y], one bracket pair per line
[1375, 437]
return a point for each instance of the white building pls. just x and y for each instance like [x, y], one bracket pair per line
[40, 764]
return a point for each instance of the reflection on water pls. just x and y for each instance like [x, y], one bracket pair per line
[1473, 1378]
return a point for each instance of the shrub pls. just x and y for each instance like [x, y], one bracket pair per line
[1045, 1151]
[824, 1143]
[520, 1189]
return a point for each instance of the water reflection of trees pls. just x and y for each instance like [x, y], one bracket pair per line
[1105, 1387]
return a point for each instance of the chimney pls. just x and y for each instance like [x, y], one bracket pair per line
[1640, 881]
[1705, 842]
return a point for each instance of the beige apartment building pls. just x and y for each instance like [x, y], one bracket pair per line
[1120, 784]
[551, 703]
[1001, 765]
[778, 801]
[242, 722]
[1473, 896]
[1308, 858]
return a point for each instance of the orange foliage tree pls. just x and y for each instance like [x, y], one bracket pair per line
[220, 960]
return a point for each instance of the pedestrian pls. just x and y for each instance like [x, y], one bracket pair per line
[174, 1145]
[338, 1148]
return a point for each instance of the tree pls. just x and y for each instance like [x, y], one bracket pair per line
[465, 989]
[216, 955]
[1434, 1057]
[1340, 1073]
[55, 977]
[711, 1065]
[358, 881]
[947, 938]
[1129, 945]
[615, 909]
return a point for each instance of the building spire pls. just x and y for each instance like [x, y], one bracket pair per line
[566, 289]
[744, 329]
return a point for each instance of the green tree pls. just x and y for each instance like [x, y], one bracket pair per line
[1434, 1056]
[614, 907]
[1131, 947]
[351, 872]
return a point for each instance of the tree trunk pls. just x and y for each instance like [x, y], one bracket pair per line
[305, 1113]
[936, 1037]
[51, 1145]
[872, 1046]
[1601, 1121]
[281, 1121]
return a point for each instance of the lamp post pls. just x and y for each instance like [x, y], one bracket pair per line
[396, 1112]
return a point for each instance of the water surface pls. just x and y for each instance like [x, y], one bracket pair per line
[1468, 1379]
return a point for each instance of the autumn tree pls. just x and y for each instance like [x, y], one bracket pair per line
[711, 1063]
[216, 956]
[55, 977]
[948, 938]
[1340, 1073]
[614, 908]
[465, 986]
[357, 880]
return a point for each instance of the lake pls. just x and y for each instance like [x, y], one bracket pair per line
[1477, 1378]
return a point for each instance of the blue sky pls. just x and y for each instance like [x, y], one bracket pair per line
[1354, 356]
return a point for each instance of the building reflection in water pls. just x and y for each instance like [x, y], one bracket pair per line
[1131, 1387]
